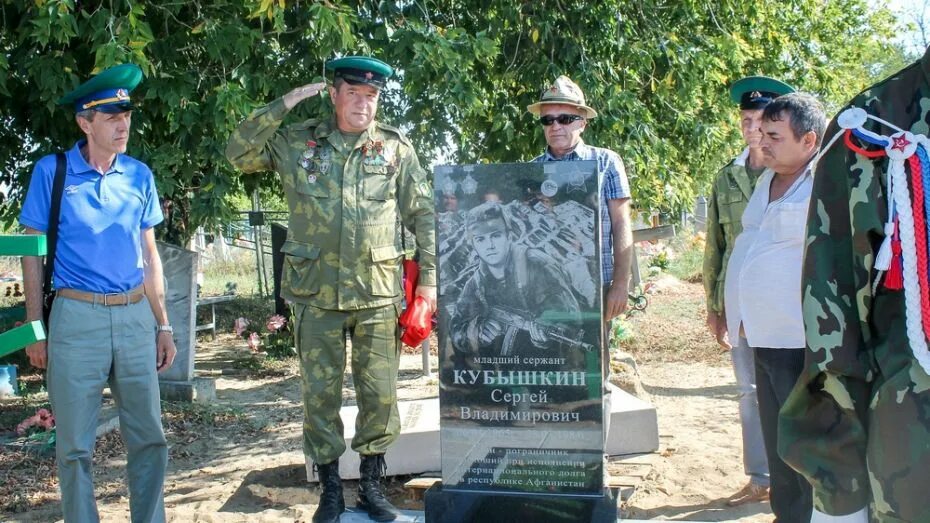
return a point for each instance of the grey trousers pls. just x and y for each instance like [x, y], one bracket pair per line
[90, 345]
[755, 462]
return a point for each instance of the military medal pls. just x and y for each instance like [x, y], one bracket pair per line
[576, 182]
[325, 160]
[373, 153]
[307, 155]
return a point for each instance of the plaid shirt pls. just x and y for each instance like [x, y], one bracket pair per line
[614, 186]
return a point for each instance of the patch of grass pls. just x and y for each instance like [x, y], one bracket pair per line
[238, 275]
[688, 260]
[672, 328]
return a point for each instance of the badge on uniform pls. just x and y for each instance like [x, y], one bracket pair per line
[373, 153]
[315, 161]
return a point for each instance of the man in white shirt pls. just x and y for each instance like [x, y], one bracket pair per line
[763, 282]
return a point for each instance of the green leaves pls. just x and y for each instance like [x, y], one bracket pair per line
[657, 71]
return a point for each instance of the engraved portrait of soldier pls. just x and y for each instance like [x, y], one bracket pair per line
[518, 299]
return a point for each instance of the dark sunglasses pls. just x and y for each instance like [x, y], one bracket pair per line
[563, 119]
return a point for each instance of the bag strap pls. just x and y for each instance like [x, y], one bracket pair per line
[54, 216]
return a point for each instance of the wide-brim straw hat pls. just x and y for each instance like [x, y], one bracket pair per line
[565, 92]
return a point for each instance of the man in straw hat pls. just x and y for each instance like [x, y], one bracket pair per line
[109, 323]
[349, 181]
[729, 195]
[564, 115]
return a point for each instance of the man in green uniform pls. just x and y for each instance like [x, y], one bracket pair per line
[729, 196]
[856, 424]
[350, 183]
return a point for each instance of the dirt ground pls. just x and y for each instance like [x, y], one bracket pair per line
[239, 459]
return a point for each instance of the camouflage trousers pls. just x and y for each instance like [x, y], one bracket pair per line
[321, 344]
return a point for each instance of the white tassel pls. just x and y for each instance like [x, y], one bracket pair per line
[884, 256]
[913, 319]
[883, 259]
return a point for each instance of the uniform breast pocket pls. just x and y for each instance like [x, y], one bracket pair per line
[316, 188]
[378, 183]
[790, 222]
[301, 271]
[734, 195]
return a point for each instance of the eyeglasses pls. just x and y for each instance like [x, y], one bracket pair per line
[563, 119]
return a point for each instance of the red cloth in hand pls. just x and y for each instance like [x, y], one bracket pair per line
[416, 320]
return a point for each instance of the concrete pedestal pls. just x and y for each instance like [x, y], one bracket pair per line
[633, 430]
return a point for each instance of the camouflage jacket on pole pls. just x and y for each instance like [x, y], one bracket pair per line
[728, 199]
[857, 424]
[347, 201]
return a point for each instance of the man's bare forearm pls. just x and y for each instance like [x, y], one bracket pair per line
[622, 235]
[33, 278]
[33, 274]
[154, 278]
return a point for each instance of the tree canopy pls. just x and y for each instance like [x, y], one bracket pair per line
[657, 71]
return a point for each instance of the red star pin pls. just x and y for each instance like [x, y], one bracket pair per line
[368, 75]
[900, 143]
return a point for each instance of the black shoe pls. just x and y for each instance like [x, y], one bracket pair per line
[370, 496]
[332, 504]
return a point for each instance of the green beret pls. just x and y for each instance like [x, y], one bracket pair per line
[360, 70]
[755, 92]
[107, 92]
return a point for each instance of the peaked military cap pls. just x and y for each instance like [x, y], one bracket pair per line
[478, 218]
[563, 91]
[755, 92]
[360, 70]
[108, 92]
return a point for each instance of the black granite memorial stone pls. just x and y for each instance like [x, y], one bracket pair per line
[520, 336]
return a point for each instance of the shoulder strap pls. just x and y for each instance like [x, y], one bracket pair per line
[54, 216]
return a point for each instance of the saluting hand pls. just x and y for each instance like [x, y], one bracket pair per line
[302, 93]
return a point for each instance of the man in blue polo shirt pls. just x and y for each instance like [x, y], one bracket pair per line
[109, 322]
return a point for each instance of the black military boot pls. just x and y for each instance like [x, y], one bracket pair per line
[370, 496]
[332, 504]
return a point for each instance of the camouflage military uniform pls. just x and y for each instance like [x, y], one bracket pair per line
[728, 198]
[343, 261]
[857, 424]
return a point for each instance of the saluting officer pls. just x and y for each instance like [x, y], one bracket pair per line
[350, 182]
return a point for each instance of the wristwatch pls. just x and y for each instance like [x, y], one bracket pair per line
[165, 328]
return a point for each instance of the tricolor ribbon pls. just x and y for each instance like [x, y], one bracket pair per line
[904, 256]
